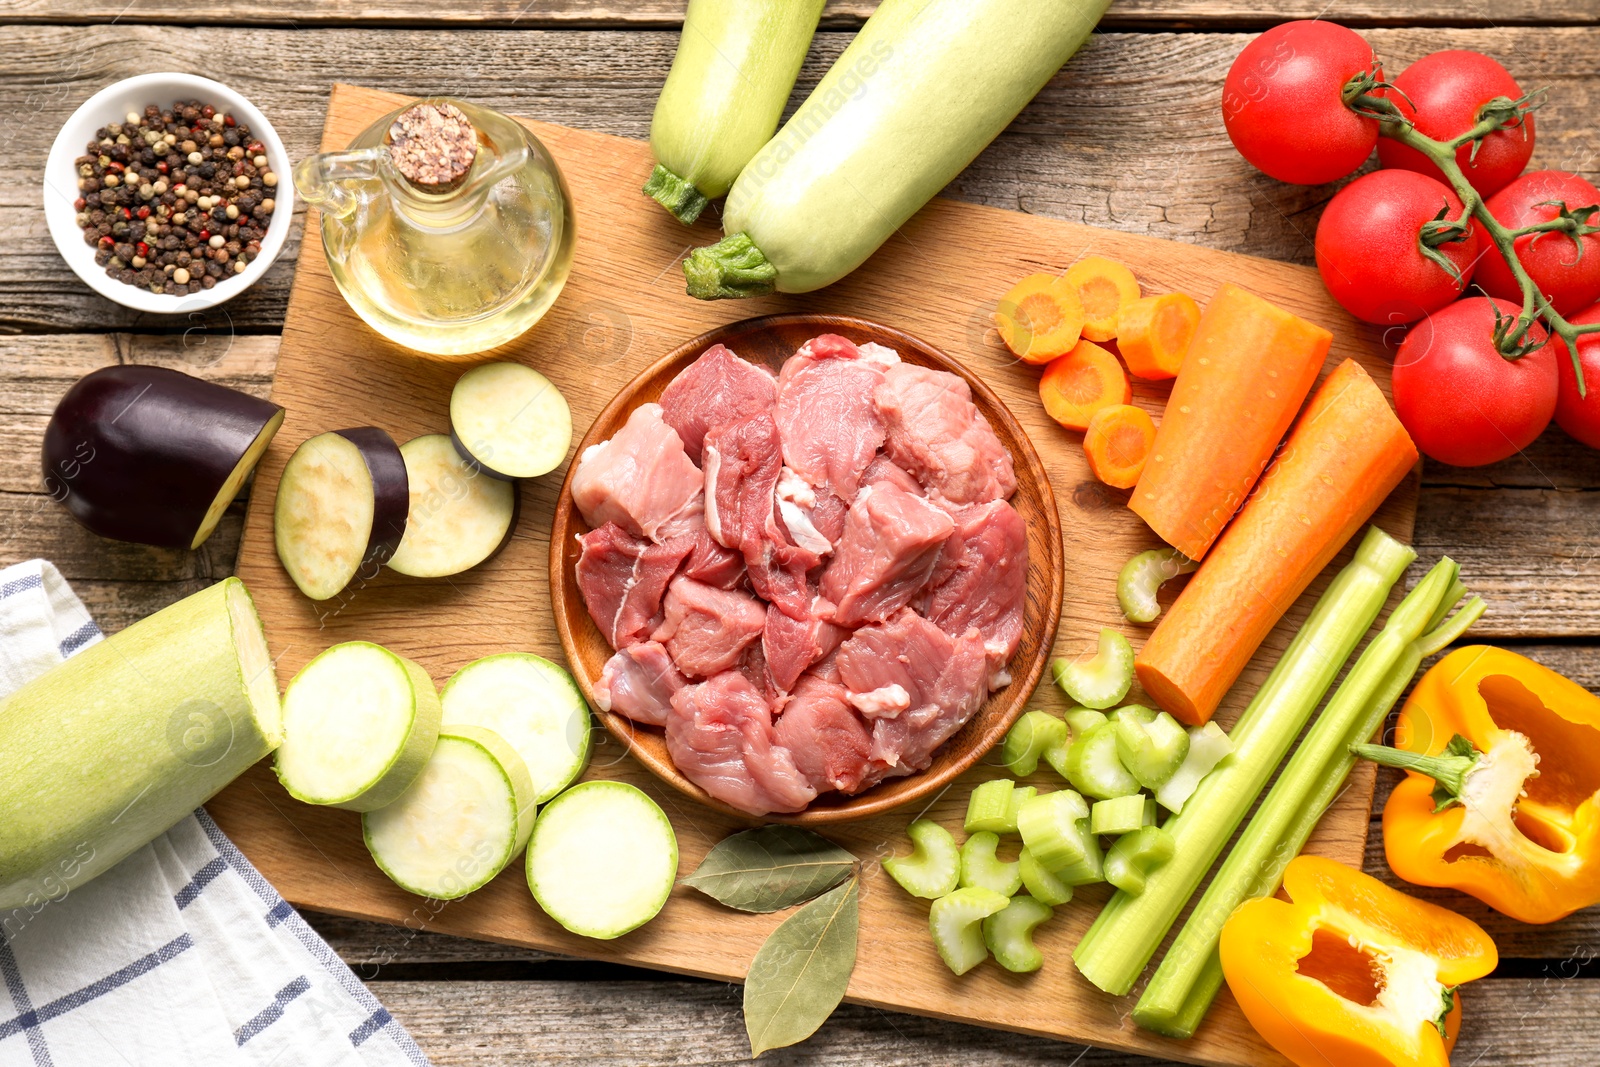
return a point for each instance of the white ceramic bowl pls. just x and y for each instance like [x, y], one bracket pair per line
[112, 104]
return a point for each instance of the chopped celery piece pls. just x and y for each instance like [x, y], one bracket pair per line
[1079, 722]
[1207, 746]
[1050, 828]
[1133, 855]
[1152, 745]
[1040, 883]
[1129, 929]
[1088, 870]
[1150, 812]
[1019, 796]
[989, 808]
[1121, 815]
[1093, 768]
[1009, 934]
[934, 866]
[982, 868]
[1102, 681]
[1028, 739]
[956, 923]
[1142, 575]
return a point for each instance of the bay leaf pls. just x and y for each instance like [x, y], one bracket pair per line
[800, 973]
[770, 868]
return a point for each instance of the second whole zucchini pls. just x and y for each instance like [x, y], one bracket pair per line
[735, 66]
[923, 88]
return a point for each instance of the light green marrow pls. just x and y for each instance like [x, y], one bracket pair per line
[533, 704]
[106, 751]
[922, 89]
[736, 63]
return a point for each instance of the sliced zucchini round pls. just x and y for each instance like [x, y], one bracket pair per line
[458, 517]
[463, 820]
[509, 421]
[534, 705]
[602, 859]
[359, 722]
[341, 503]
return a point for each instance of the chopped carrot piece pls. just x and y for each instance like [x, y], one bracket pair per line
[1117, 443]
[1082, 382]
[1154, 334]
[1104, 288]
[1040, 319]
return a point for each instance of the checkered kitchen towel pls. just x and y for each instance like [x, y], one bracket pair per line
[182, 953]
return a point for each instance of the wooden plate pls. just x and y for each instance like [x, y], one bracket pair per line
[771, 340]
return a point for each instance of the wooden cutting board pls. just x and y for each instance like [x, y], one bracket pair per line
[624, 307]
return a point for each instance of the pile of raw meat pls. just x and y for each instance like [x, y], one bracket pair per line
[813, 579]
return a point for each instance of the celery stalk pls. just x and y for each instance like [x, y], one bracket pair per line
[1130, 928]
[1185, 984]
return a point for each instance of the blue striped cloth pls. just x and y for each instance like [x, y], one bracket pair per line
[182, 953]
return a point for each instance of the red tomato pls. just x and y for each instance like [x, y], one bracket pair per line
[1568, 280]
[1580, 415]
[1447, 89]
[1282, 106]
[1463, 402]
[1369, 253]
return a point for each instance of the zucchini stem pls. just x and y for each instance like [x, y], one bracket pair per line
[732, 268]
[676, 194]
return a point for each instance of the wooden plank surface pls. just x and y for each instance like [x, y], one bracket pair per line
[315, 857]
[837, 13]
[1126, 137]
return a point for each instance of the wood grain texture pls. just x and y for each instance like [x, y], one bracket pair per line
[769, 341]
[624, 282]
[1128, 136]
[837, 13]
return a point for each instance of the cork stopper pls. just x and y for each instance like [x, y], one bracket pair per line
[433, 146]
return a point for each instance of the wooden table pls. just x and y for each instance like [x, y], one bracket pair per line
[1128, 137]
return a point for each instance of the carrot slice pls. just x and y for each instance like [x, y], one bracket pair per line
[1104, 288]
[1248, 370]
[1154, 334]
[1345, 455]
[1117, 443]
[1082, 382]
[1040, 319]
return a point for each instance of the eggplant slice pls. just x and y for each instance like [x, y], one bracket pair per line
[341, 508]
[153, 455]
[510, 421]
[459, 516]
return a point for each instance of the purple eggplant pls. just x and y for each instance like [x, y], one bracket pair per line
[152, 455]
[341, 509]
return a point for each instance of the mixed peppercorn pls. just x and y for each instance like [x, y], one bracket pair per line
[175, 201]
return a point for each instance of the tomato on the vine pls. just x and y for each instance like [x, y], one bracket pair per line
[1370, 252]
[1462, 401]
[1442, 94]
[1566, 274]
[1580, 415]
[1283, 107]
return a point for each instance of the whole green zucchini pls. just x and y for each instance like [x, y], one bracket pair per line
[736, 63]
[923, 88]
[105, 752]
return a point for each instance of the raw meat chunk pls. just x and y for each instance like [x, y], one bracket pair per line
[712, 564]
[720, 735]
[890, 545]
[883, 469]
[791, 645]
[945, 678]
[706, 628]
[829, 743]
[639, 682]
[830, 426]
[743, 461]
[940, 437]
[796, 501]
[622, 579]
[716, 388]
[640, 479]
[981, 580]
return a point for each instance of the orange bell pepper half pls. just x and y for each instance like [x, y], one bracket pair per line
[1349, 972]
[1502, 786]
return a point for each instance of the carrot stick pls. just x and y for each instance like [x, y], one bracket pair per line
[1248, 369]
[1082, 382]
[1117, 443]
[1346, 453]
